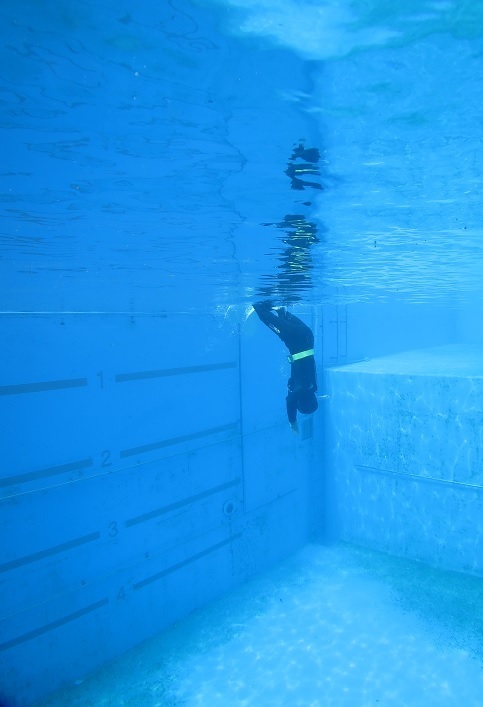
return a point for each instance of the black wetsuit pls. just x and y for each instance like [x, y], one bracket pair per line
[298, 337]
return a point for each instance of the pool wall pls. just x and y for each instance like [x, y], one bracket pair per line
[403, 446]
[143, 475]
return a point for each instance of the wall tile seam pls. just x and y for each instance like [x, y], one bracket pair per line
[424, 479]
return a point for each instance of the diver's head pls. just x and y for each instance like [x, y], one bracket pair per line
[307, 402]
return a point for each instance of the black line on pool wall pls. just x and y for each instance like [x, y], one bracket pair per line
[42, 387]
[179, 504]
[143, 375]
[175, 440]
[159, 575]
[34, 557]
[43, 473]
[54, 624]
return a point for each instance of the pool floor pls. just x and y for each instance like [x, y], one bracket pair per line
[333, 625]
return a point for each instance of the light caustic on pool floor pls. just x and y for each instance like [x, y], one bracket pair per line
[330, 626]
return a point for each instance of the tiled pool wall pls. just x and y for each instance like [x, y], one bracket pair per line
[143, 474]
[404, 457]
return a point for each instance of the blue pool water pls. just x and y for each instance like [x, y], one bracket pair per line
[165, 538]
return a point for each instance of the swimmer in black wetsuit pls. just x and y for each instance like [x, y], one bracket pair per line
[299, 339]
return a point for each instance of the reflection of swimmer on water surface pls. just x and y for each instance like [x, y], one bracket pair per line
[297, 171]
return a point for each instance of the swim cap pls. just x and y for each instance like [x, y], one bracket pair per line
[307, 402]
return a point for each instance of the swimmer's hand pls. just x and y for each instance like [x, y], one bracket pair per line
[294, 426]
